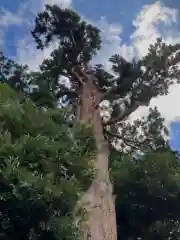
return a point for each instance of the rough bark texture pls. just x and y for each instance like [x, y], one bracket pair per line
[98, 201]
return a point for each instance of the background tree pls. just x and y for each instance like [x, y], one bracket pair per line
[146, 182]
[148, 194]
[43, 171]
[14, 74]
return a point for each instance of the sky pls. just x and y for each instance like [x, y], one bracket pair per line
[127, 28]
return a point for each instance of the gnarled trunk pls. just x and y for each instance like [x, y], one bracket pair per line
[98, 201]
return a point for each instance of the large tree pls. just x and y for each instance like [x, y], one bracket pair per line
[135, 84]
[128, 86]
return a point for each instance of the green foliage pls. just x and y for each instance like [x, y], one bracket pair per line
[147, 195]
[44, 168]
[145, 135]
[14, 74]
[139, 80]
[78, 43]
[70, 30]
[150, 76]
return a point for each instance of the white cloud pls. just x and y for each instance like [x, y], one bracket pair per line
[167, 105]
[7, 19]
[147, 30]
[28, 54]
[155, 20]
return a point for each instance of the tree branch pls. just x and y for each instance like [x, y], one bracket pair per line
[73, 41]
[128, 142]
[80, 79]
[124, 116]
[112, 89]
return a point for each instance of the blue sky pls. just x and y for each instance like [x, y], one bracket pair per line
[115, 12]
[128, 27]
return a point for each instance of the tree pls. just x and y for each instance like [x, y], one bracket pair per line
[136, 83]
[146, 182]
[44, 169]
[148, 194]
[14, 74]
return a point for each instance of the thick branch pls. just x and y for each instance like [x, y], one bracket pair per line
[125, 115]
[111, 90]
[105, 95]
[80, 79]
[73, 41]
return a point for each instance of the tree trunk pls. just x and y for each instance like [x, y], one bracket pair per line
[98, 201]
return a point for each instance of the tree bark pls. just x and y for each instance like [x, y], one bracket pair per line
[98, 201]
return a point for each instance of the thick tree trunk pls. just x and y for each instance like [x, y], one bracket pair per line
[98, 201]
